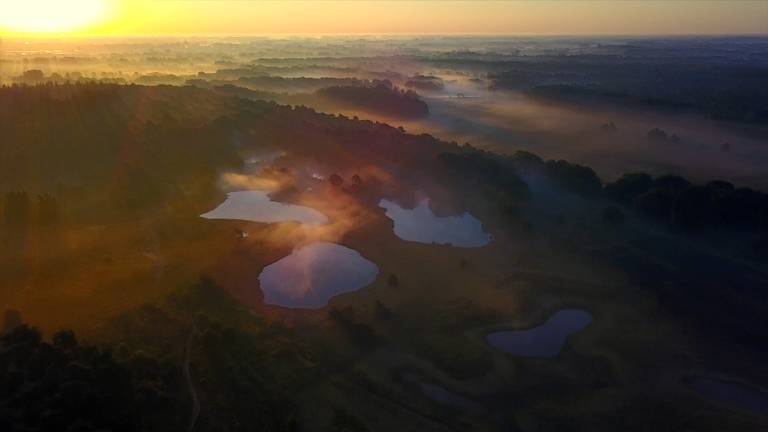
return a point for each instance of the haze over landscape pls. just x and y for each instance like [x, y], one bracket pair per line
[383, 215]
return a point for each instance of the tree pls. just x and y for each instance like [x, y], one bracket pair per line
[16, 208]
[693, 208]
[11, 320]
[344, 421]
[383, 313]
[336, 180]
[657, 134]
[84, 387]
[65, 340]
[656, 203]
[524, 159]
[47, 210]
[671, 183]
[613, 215]
[32, 76]
[575, 178]
[608, 127]
[628, 187]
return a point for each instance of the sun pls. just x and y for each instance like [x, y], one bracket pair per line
[51, 16]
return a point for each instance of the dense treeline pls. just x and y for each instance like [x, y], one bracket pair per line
[382, 98]
[17, 209]
[143, 153]
[477, 172]
[425, 83]
[110, 148]
[743, 104]
[241, 369]
[61, 385]
[571, 177]
[674, 200]
[659, 77]
[667, 199]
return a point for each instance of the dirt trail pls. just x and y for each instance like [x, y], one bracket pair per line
[190, 386]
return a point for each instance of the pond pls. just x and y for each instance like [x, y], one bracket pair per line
[256, 206]
[311, 275]
[546, 340]
[731, 392]
[420, 224]
[443, 396]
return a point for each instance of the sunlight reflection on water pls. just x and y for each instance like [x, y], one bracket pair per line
[311, 275]
[256, 206]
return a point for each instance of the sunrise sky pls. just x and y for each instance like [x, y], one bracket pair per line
[167, 17]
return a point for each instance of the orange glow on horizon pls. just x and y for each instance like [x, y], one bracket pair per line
[224, 17]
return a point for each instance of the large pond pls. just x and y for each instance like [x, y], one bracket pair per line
[731, 393]
[256, 206]
[546, 340]
[311, 275]
[421, 225]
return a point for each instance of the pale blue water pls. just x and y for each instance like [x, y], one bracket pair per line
[421, 225]
[546, 340]
[313, 274]
[256, 206]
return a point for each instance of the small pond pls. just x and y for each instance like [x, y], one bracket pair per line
[256, 206]
[546, 340]
[732, 393]
[312, 274]
[420, 224]
[441, 395]
[444, 397]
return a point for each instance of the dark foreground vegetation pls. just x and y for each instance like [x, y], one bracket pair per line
[151, 379]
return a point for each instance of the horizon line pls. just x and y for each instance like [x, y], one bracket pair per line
[49, 36]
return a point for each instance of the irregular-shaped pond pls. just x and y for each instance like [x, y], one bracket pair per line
[256, 206]
[311, 275]
[732, 393]
[421, 225]
[545, 340]
[444, 397]
[441, 395]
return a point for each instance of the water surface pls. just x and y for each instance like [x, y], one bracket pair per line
[256, 206]
[731, 392]
[421, 225]
[441, 395]
[445, 397]
[546, 340]
[311, 275]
